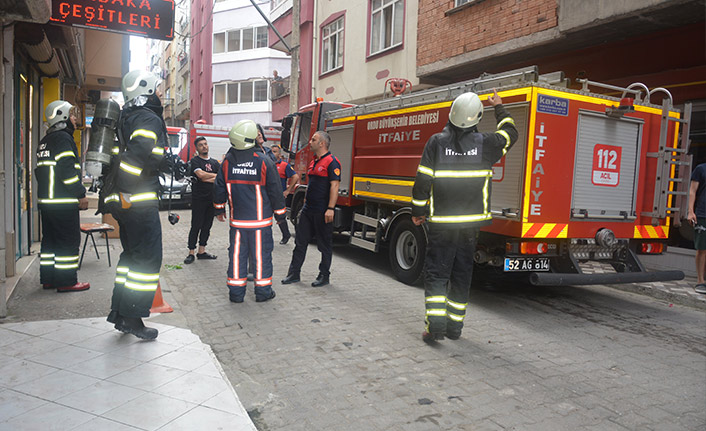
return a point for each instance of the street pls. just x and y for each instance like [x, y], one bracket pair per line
[349, 356]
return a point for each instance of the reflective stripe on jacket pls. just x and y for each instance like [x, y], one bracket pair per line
[58, 172]
[454, 177]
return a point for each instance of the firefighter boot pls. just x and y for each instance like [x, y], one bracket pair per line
[430, 337]
[75, 288]
[291, 278]
[321, 280]
[113, 317]
[134, 326]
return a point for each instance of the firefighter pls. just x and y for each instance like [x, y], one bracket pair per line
[249, 182]
[457, 162]
[60, 196]
[142, 137]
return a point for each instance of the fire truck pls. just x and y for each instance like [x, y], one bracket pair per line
[597, 175]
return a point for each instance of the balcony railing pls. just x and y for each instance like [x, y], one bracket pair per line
[279, 88]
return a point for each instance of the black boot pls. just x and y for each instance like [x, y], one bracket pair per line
[321, 280]
[291, 278]
[134, 326]
[113, 316]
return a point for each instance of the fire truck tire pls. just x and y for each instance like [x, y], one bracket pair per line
[407, 249]
[297, 205]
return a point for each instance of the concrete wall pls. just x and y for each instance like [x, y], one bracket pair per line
[362, 76]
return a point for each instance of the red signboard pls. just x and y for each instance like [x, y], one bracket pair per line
[606, 165]
[149, 18]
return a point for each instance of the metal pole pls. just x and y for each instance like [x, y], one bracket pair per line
[269, 24]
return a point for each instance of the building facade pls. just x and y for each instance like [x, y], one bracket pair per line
[349, 52]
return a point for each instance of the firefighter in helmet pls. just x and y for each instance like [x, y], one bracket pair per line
[456, 162]
[142, 137]
[60, 196]
[249, 182]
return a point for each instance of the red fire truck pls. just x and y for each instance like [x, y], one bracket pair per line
[592, 177]
[218, 142]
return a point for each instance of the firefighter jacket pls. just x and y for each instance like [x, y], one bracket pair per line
[249, 182]
[143, 139]
[455, 174]
[58, 171]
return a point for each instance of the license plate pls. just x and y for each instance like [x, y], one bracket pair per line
[514, 264]
[174, 196]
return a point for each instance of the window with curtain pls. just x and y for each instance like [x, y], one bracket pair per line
[332, 46]
[386, 24]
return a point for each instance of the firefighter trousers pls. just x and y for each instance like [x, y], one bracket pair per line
[245, 243]
[202, 213]
[61, 238]
[312, 224]
[448, 268]
[137, 274]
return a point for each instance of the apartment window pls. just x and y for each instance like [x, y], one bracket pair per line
[240, 92]
[386, 24]
[233, 93]
[275, 3]
[241, 39]
[462, 2]
[234, 40]
[219, 94]
[261, 37]
[219, 42]
[332, 46]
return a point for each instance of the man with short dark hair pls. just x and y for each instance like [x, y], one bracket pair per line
[289, 181]
[697, 217]
[204, 169]
[316, 218]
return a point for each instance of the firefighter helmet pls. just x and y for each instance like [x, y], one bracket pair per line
[242, 136]
[466, 110]
[57, 111]
[138, 83]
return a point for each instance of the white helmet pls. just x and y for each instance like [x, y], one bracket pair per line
[138, 83]
[466, 111]
[57, 111]
[242, 136]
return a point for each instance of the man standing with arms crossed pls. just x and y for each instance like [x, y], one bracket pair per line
[455, 174]
[316, 217]
[289, 182]
[204, 169]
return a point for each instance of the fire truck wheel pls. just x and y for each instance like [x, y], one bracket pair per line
[296, 209]
[407, 248]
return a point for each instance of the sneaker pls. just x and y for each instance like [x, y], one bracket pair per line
[431, 337]
[206, 256]
[75, 288]
[700, 288]
[189, 259]
[266, 299]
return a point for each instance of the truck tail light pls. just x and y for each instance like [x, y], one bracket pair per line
[527, 247]
[651, 248]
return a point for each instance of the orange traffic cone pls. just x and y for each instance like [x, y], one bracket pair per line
[158, 304]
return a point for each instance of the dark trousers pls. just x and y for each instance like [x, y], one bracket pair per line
[202, 212]
[61, 238]
[246, 244]
[284, 228]
[312, 224]
[448, 270]
[137, 275]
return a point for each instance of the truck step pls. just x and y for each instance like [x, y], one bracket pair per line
[368, 245]
[363, 219]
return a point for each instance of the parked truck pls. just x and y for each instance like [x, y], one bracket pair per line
[218, 142]
[593, 177]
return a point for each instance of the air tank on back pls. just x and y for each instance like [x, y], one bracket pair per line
[103, 129]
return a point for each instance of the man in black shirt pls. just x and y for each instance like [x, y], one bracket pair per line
[204, 169]
[316, 218]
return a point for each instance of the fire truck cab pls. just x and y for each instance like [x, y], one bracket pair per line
[594, 177]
